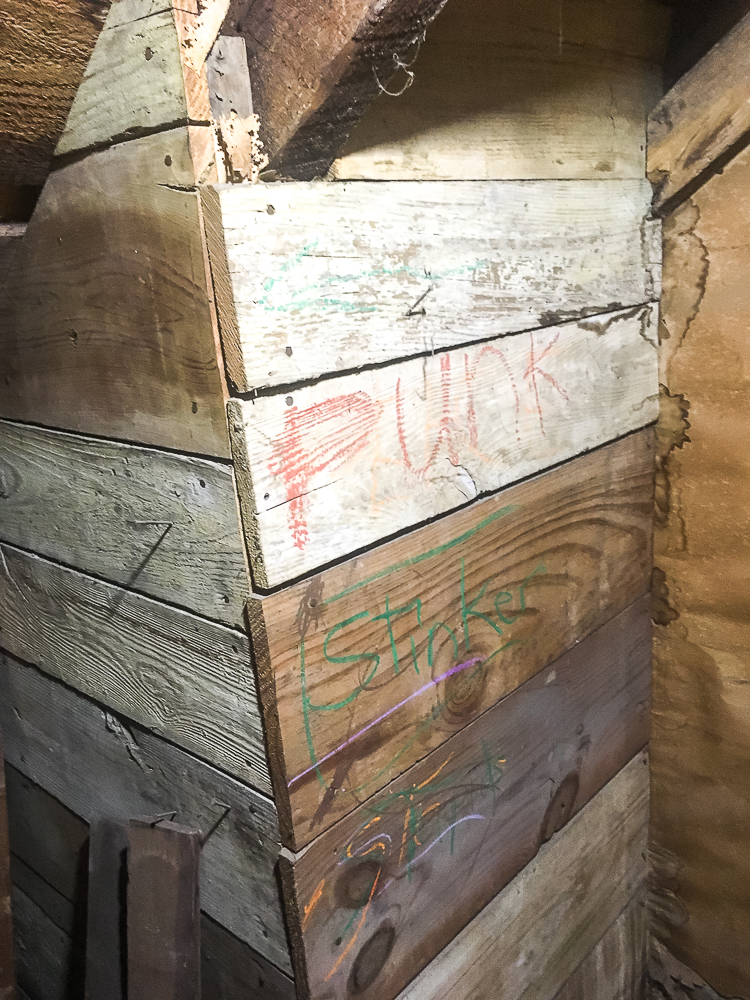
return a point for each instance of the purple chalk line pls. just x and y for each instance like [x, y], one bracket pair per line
[415, 694]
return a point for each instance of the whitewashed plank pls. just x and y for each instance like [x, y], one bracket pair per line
[98, 764]
[164, 524]
[349, 461]
[331, 277]
[532, 936]
[186, 678]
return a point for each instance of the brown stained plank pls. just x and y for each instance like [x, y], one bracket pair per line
[106, 957]
[315, 69]
[385, 889]
[702, 120]
[530, 938]
[7, 962]
[163, 914]
[44, 48]
[51, 843]
[162, 524]
[701, 746]
[616, 968]
[97, 763]
[540, 566]
[107, 323]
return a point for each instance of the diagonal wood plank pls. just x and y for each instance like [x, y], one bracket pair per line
[331, 277]
[369, 666]
[387, 887]
[336, 466]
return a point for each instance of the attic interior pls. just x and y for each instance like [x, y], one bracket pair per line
[374, 508]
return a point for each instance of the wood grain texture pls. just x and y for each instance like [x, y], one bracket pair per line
[51, 840]
[107, 323]
[331, 277]
[339, 465]
[7, 959]
[370, 654]
[163, 913]
[701, 747]
[385, 880]
[163, 524]
[315, 69]
[703, 118]
[107, 910]
[532, 936]
[615, 969]
[98, 764]
[535, 89]
[44, 48]
[44, 954]
[186, 678]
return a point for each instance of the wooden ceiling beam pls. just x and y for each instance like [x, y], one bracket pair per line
[316, 68]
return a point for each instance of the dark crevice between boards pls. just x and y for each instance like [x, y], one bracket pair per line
[261, 592]
[141, 132]
[665, 208]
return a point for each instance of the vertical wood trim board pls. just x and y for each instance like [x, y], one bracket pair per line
[107, 324]
[337, 466]
[409, 868]
[7, 959]
[532, 936]
[163, 524]
[331, 277]
[369, 666]
[98, 764]
[186, 678]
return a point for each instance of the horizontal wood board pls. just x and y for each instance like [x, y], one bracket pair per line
[405, 872]
[389, 655]
[533, 89]
[164, 524]
[97, 763]
[50, 844]
[615, 968]
[336, 466]
[182, 676]
[107, 318]
[331, 277]
[530, 938]
[701, 119]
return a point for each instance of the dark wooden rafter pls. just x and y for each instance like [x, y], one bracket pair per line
[316, 68]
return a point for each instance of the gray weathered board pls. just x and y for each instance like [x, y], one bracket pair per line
[531, 937]
[328, 277]
[97, 764]
[180, 675]
[339, 465]
[160, 523]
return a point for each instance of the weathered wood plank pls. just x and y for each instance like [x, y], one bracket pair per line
[44, 48]
[342, 464]
[106, 322]
[502, 589]
[332, 277]
[44, 952]
[7, 961]
[315, 69]
[534, 89]
[384, 880]
[50, 839]
[702, 119]
[184, 677]
[701, 742]
[615, 969]
[98, 764]
[530, 938]
[163, 913]
[164, 524]
[107, 910]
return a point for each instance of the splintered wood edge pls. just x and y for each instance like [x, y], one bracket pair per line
[683, 141]
[270, 714]
[246, 492]
[229, 330]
